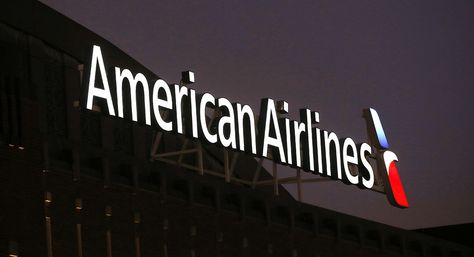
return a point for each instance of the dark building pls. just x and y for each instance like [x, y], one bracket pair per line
[78, 183]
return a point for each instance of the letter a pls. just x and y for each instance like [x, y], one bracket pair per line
[99, 92]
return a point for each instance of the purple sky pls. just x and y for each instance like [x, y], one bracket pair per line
[413, 61]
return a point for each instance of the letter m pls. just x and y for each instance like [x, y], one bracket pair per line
[126, 74]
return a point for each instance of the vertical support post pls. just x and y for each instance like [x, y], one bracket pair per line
[226, 166]
[315, 218]
[108, 234]
[298, 183]
[200, 159]
[156, 144]
[275, 178]
[183, 147]
[78, 207]
[106, 169]
[108, 239]
[235, 157]
[48, 199]
[136, 221]
[137, 246]
[165, 237]
[76, 164]
[49, 239]
[257, 173]
[79, 239]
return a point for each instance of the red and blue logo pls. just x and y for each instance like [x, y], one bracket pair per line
[386, 161]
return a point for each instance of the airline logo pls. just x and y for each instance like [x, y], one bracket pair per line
[386, 160]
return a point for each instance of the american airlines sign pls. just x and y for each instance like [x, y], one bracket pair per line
[299, 144]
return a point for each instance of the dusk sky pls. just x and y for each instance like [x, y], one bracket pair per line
[413, 61]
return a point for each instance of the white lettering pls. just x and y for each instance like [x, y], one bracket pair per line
[133, 81]
[271, 119]
[157, 103]
[227, 120]
[349, 156]
[98, 92]
[206, 98]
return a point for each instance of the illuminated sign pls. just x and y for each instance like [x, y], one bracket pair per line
[299, 144]
[386, 160]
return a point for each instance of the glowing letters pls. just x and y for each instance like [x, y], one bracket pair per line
[300, 144]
